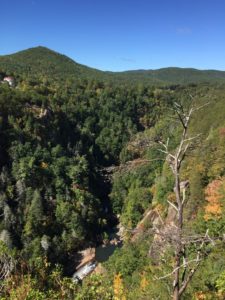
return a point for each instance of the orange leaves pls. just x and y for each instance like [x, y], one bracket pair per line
[200, 296]
[222, 132]
[214, 196]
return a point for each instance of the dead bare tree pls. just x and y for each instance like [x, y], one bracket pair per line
[175, 160]
[7, 264]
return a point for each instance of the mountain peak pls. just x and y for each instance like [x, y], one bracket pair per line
[40, 60]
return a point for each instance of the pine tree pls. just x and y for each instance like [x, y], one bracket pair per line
[35, 215]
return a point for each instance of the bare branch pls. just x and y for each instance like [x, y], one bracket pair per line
[163, 151]
[181, 120]
[174, 270]
[192, 138]
[201, 106]
[165, 145]
[127, 166]
[194, 269]
[173, 205]
[184, 196]
[6, 266]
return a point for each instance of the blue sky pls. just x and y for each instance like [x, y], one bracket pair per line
[119, 35]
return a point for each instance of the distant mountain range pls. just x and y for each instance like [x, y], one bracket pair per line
[41, 61]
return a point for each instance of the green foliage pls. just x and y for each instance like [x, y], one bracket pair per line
[130, 259]
[136, 203]
[163, 185]
[220, 283]
[60, 128]
[35, 215]
[94, 288]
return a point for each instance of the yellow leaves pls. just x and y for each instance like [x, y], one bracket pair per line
[153, 189]
[200, 168]
[213, 209]
[98, 91]
[46, 262]
[24, 86]
[44, 165]
[118, 288]
[10, 190]
[210, 295]
[144, 282]
[159, 208]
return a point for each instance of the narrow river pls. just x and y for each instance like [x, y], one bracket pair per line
[102, 254]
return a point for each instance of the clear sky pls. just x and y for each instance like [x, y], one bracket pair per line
[119, 34]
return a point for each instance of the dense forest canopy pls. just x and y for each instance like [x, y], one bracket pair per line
[62, 126]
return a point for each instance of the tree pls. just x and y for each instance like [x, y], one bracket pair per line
[175, 160]
[35, 214]
[7, 262]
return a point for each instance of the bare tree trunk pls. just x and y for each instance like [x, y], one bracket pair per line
[175, 161]
[178, 250]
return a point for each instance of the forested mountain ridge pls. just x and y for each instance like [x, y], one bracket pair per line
[45, 63]
[173, 75]
[62, 127]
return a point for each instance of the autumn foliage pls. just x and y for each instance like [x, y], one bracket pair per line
[214, 197]
[118, 288]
